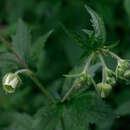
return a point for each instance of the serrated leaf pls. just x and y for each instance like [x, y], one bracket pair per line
[39, 45]
[97, 24]
[112, 44]
[14, 120]
[22, 41]
[77, 37]
[77, 113]
[8, 60]
[88, 32]
[48, 117]
[86, 109]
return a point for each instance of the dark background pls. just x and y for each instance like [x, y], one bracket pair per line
[61, 54]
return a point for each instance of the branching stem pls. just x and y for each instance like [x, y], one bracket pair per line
[104, 73]
[84, 71]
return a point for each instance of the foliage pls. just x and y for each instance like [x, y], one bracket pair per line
[32, 29]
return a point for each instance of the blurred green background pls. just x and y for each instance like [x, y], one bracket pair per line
[60, 54]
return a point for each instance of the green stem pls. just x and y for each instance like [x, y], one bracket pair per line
[14, 52]
[33, 77]
[93, 82]
[23, 71]
[88, 63]
[84, 71]
[68, 93]
[41, 87]
[114, 55]
[104, 73]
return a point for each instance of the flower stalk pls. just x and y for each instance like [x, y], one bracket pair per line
[104, 72]
[32, 76]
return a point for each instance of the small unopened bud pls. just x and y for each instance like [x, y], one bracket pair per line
[83, 80]
[110, 79]
[10, 82]
[122, 66]
[104, 89]
[127, 74]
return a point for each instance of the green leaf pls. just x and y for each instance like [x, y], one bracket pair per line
[8, 60]
[97, 24]
[77, 37]
[48, 117]
[15, 120]
[39, 45]
[21, 121]
[112, 44]
[127, 6]
[88, 32]
[78, 113]
[22, 41]
[84, 110]
[123, 109]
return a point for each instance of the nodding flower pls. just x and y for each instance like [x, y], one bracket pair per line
[10, 82]
[104, 89]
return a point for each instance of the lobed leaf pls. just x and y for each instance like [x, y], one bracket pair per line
[8, 60]
[97, 24]
[39, 45]
[86, 109]
[22, 41]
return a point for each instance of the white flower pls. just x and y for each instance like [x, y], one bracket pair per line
[10, 82]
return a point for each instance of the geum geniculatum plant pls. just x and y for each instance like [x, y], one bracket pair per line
[80, 107]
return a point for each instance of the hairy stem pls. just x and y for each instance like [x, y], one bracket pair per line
[68, 93]
[22, 71]
[13, 51]
[33, 77]
[114, 55]
[88, 62]
[93, 82]
[104, 73]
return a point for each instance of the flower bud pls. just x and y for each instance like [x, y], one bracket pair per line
[127, 74]
[10, 82]
[110, 77]
[104, 89]
[83, 80]
[122, 66]
[111, 80]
